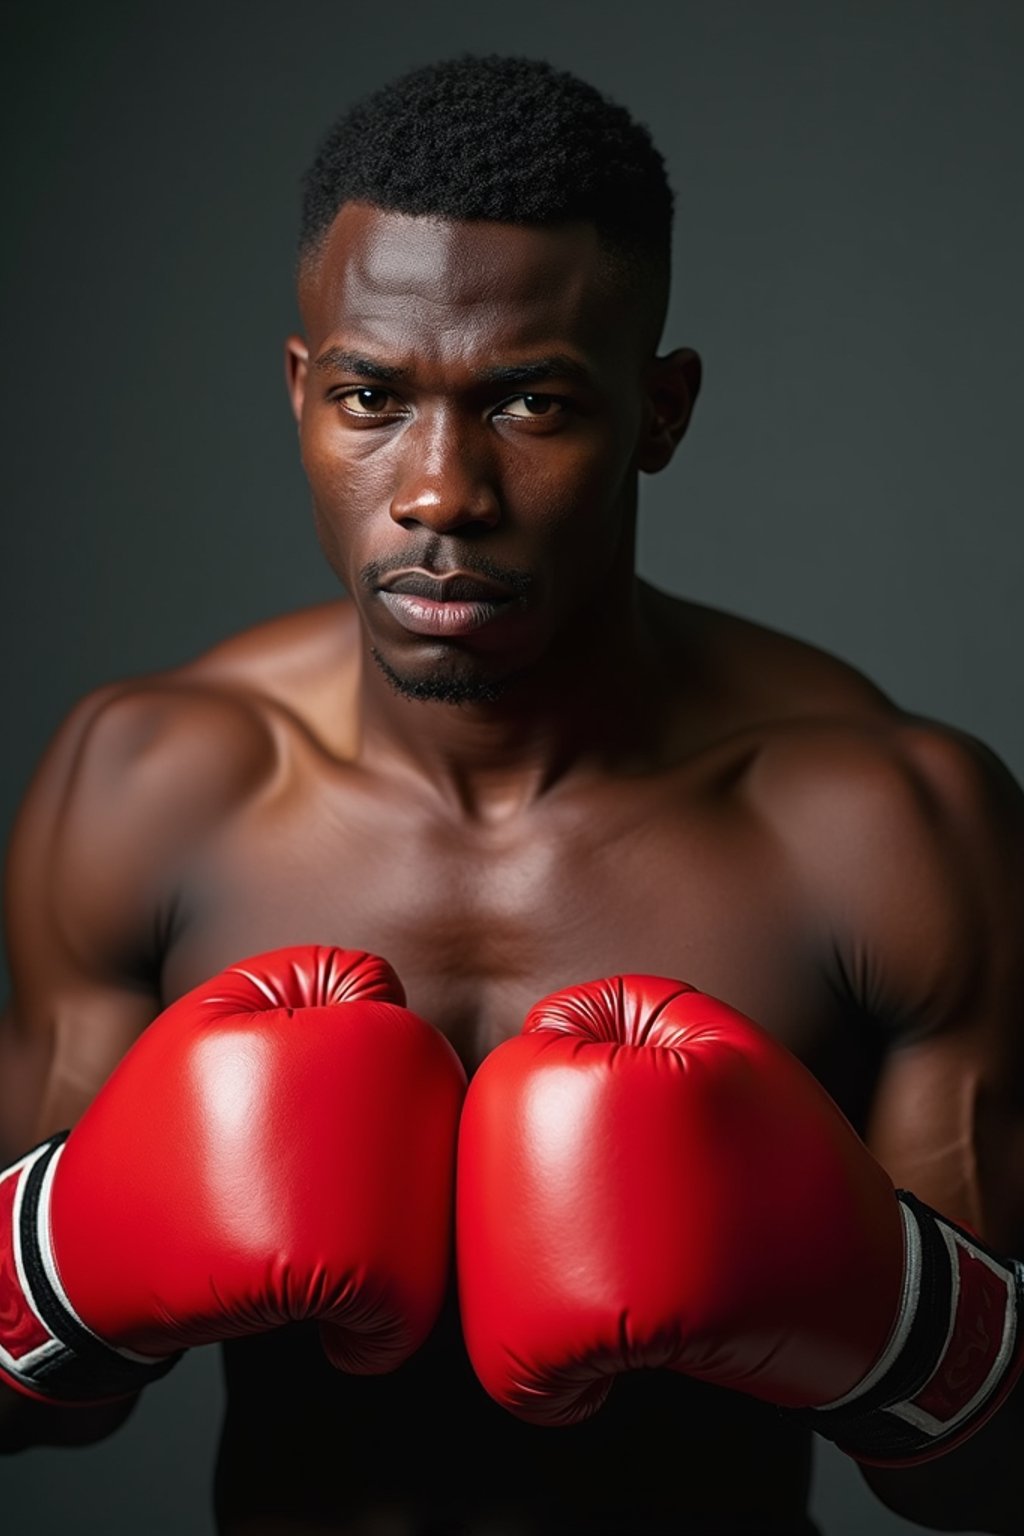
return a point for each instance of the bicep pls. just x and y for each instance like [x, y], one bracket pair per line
[53, 1063]
[947, 1123]
[945, 935]
[77, 1000]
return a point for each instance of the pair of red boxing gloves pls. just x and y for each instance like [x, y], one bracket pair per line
[643, 1177]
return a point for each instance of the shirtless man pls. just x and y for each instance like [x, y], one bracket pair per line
[507, 765]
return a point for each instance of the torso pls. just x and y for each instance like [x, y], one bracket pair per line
[683, 869]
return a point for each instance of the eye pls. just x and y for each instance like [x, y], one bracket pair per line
[365, 401]
[536, 405]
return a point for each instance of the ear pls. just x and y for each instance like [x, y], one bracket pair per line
[672, 385]
[296, 368]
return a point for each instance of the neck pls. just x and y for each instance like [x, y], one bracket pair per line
[596, 700]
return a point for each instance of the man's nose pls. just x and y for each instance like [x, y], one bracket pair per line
[447, 479]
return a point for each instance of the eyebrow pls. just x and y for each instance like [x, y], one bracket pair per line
[556, 365]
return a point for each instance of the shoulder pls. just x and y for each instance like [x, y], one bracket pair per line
[836, 778]
[158, 741]
[750, 677]
[172, 747]
[906, 836]
[823, 735]
[214, 726]
[131, 781]
[159, 757]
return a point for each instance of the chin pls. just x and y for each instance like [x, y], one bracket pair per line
[455, 680]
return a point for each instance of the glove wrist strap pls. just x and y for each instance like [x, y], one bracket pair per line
[46, 1351]
[954, 1353]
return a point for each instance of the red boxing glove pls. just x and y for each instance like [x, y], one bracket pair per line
[278, 1145]
[647, 1178]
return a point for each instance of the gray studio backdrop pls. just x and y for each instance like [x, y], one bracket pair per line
[849, 254]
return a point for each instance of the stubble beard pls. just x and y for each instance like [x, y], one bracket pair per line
[445, 685]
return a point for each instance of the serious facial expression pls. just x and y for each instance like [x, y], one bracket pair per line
[470, 398]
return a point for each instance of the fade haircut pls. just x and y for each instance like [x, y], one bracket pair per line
[507, 139]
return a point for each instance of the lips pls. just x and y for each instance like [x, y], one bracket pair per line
[457, 587]
[422, 616]
[448, 606]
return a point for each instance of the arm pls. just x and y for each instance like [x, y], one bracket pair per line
[119, 1244]
[79, 919]
[927, 922]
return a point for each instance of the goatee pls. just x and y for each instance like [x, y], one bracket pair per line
[444, 686]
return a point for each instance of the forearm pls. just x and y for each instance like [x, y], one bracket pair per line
[25, 1423]
[977, 1487]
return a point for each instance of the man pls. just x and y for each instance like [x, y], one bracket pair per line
[506, 765]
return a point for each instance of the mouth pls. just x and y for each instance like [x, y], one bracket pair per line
[456, 586]
[448, 617]
[450, 605]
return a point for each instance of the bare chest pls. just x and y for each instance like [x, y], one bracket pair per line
[480, 922]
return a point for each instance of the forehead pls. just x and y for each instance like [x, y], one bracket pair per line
[445, 287]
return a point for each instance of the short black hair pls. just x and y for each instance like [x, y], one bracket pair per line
[503, 138]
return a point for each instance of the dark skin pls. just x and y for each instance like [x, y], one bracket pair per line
[632, 782]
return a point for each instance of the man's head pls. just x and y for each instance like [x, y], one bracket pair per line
[512, 141]
[483, 278]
